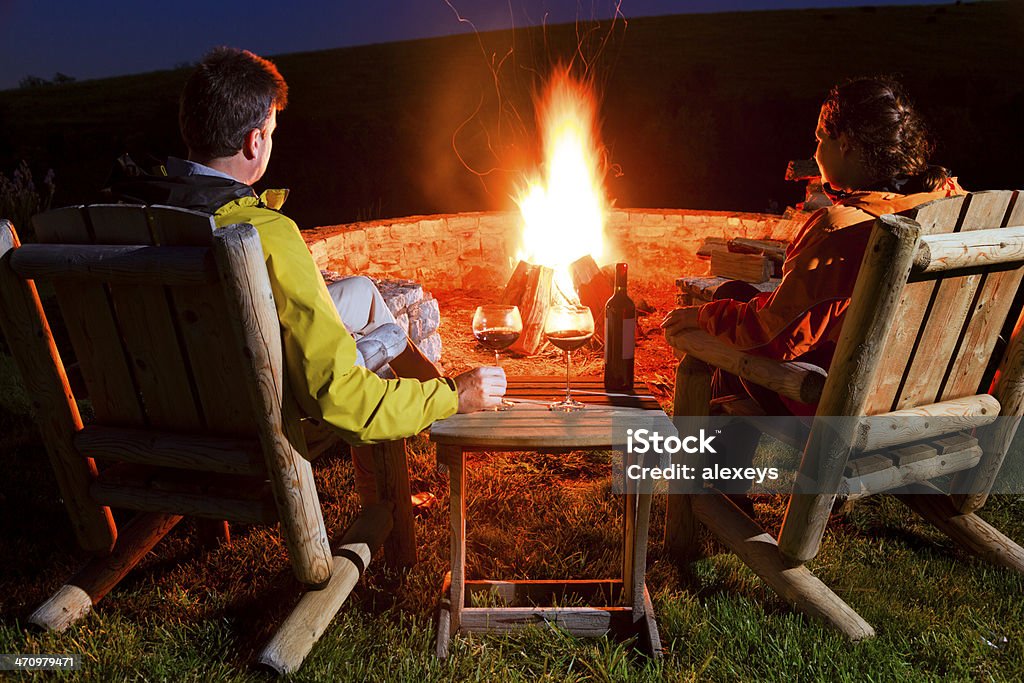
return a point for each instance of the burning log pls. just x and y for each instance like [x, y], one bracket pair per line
[594, 288]
[529, 288]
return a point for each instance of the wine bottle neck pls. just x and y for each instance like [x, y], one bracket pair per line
[621, 276]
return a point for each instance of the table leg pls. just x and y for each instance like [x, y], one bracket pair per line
[454, 457]
[629, 500]
[637, 581]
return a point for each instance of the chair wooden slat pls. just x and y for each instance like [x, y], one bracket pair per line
[92, 327]
[949, 311]
[200, 313]
[934, 217]
[28, 335]
[148, 328]
[122, 265]
[993, 304]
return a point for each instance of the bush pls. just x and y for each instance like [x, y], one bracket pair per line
[20, 199]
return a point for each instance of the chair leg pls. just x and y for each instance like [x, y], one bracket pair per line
[309, 619]
[692, 397]
[965, 529]
[98, 577]
[682, 530]
[759, 551]
[391, 470]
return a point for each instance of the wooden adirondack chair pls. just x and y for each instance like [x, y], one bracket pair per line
[174, 328]
[935, 289]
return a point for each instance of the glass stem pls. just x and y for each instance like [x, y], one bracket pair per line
[568, 361]
[497, 360]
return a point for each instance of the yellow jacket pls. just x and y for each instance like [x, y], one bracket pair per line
[319, 352]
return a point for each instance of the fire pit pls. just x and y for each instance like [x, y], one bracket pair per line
[549, 251]
[477, 251]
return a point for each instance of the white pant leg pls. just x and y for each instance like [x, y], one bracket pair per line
[360, 304]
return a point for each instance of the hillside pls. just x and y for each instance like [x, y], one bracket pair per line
[699, 111]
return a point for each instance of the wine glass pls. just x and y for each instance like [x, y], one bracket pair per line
[497, 326]
[568, 327]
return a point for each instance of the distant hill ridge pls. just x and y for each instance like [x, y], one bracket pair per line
[699, 111]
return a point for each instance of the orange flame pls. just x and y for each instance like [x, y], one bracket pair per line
[563, 205]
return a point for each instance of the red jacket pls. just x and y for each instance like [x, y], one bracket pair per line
[802, 318]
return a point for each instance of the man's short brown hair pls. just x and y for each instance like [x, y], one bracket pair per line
[231, 92]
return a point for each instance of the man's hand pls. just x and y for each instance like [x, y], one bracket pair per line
[480, 389]
[680, 319]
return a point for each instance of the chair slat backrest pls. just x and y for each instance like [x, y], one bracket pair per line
[947, 324]
[93, 327]
[150, 355]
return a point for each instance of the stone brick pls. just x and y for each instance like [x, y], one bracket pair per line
[466, 223]
[505, 222]
[399, 294]
[617, 218]
[432, 228]
[673, 220]
[391, 256]
[377, 235]
[417, 253]
[652, 219]
[446, 248]
[403, 321]
[318, 249]
[424, 319]
[650, 231]
[431, 347]
[353, 252]
[354, 239]
[405, 232]
[338, 265]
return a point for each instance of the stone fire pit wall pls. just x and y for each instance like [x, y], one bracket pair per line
[477, 250]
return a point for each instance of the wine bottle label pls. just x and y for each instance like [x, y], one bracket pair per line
[628, 337]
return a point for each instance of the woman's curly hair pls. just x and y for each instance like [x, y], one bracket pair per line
[878, 117]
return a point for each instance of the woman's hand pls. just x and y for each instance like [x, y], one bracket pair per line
[680, 319]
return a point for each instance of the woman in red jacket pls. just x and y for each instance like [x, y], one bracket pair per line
[873, 152]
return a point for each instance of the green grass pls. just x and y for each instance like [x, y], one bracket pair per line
[187, 614]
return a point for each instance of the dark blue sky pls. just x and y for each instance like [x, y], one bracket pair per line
[106, 38]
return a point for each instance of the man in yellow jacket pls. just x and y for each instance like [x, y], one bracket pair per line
[228, 115]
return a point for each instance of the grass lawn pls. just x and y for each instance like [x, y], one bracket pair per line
[190, 614]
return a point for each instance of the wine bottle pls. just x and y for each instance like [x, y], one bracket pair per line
[619, 336]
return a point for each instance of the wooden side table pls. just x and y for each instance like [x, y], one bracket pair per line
[530, 426]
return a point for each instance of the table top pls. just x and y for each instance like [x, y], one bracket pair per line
[530, 425]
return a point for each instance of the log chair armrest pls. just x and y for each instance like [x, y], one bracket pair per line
[801, 382]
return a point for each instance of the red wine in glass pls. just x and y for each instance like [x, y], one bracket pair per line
[568, 327]
[497, 327]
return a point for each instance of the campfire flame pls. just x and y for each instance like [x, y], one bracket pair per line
[563, 205]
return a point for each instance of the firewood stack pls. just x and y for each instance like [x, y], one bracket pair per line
[744, 259]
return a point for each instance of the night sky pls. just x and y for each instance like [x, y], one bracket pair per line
[96, 39]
